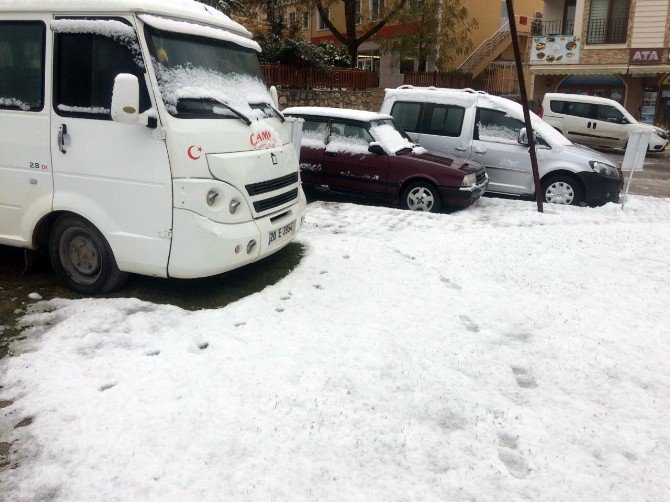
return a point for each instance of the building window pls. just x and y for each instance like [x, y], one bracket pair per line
[406, 65]
[321, 24]
[357, 7]
[608, 22]
[369, 61]
[305, 20]
[292, 20]
[376, 8]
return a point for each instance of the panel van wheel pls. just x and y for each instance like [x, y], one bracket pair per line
[421, 196]
[82, 258]
[562, 189]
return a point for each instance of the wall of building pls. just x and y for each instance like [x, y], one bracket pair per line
[359, 100]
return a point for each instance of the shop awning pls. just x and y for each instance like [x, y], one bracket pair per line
[649, 70]
[596, 69]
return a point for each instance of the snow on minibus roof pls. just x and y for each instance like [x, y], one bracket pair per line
[337, 113]
[180, 9]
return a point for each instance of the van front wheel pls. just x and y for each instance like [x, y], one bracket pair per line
[562, 189]
[81, 257]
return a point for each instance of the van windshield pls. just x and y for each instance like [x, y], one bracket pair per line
[201, 77]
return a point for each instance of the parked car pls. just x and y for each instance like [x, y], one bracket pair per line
[490, 130]
[351, 150]
[139, 137]
[595, 121]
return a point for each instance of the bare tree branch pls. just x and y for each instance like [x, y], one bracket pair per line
[323, 12]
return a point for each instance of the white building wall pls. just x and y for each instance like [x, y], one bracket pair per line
[649, 23]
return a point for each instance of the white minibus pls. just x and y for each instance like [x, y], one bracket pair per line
[138, 136]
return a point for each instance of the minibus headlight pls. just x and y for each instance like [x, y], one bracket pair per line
[469, 180]
[604, 169]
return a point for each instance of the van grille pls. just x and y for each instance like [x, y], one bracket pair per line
[277, 200]
[272, 185]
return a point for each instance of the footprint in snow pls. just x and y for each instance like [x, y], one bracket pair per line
[469, 324]
[511, 458]
[323, 272]
[524, 377]
[203, 346]
[284, 298]
[152, 352]
[107, 386]
[450, 284]
[279, 309]
[520, 336]
[318, 286]
[238, 324]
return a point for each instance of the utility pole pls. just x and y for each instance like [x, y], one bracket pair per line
[524, 102]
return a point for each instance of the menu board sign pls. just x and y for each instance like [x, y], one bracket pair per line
[555, 49]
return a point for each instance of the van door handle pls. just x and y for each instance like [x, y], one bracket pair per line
[62, 132]
[595, 124]
[479, 149]
[588, 126]
[461, 148]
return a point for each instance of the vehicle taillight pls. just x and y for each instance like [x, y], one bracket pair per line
[541, 111]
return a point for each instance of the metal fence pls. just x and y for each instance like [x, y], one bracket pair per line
[541, 28]
[498, 78]
[607, 31]
[298, 77]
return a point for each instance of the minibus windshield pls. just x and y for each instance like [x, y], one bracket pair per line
[201, 77]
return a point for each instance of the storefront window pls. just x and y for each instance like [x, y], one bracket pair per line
[663, 110]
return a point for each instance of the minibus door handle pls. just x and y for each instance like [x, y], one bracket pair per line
[62, 132]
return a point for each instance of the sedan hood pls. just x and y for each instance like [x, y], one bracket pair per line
[457, 163]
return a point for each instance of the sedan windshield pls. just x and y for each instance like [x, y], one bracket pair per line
[201, 77]
[391, 137]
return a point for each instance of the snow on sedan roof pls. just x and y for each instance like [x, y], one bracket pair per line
[182, 9]
[337, 113]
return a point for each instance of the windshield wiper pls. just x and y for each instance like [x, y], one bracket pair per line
[274, 110]
[236, 112]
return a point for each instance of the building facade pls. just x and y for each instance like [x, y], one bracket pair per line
[490, 40]
[611, 48]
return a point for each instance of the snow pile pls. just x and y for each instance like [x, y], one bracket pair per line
[105, 28]
[97, 110]
[390, 138]
[490, 354]
[13, 102]
[347, 145]
[201, 83]
[199, 30]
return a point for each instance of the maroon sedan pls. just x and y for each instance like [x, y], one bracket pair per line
[351, 150]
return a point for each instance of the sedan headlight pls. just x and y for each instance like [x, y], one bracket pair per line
[604, 169]
[469, 180]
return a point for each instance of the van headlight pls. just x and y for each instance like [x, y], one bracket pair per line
[661, 133]
[604, 169]
[469, 180]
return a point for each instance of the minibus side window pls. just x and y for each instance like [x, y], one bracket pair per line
[22, 47]
[85, 69]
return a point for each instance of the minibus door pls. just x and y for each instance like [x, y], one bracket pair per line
[116, 175]
[26, 185]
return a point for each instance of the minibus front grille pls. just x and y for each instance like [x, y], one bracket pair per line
[272, 185]
[277, 200]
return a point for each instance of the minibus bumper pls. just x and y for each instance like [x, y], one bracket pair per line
[202, 247]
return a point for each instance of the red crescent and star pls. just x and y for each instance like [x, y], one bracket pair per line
[193, 156]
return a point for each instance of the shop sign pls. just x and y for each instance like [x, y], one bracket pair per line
[645, 56]
[557, 49]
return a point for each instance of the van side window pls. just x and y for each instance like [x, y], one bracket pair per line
[609, 114]
[22, 65]
[496, 127]
[584, 110]
[85, 68]
[443, 120]
[557, 106]
[314, 133]
[407, 115]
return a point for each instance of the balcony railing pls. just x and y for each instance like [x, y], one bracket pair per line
[607, 31]
[541, 28]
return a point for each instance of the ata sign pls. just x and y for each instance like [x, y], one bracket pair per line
[645, 56]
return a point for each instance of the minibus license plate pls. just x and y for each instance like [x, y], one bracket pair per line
[278, 234]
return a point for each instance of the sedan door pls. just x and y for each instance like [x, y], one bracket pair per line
[495, 144]
[312, 150]
[348, 164]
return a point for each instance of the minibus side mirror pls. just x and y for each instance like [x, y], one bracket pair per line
[275, 96]
[126, 99]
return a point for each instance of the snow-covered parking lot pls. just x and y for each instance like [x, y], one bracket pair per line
[490, 354]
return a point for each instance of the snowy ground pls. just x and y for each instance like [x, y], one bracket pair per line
[491, 354]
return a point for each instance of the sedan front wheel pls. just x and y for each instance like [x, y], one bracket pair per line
[421, 196]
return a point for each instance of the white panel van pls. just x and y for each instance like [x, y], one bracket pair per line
[596, 121]
[138, 136]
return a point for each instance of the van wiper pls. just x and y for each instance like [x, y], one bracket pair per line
[236, 112]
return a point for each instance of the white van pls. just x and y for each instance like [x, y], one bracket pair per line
[138, 136]
[491, 130]
[595, 121]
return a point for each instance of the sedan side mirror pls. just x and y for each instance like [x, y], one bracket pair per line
[376, 148]
[126, 99]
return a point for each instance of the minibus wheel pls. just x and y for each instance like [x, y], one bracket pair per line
[421, 196]
[81, 257]
[562, 189]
